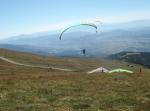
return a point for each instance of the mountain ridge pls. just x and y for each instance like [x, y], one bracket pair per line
[142, 58]
[104, 43]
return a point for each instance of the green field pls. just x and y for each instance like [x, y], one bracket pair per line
[36, 89]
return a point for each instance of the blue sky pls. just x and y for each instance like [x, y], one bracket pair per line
[30, 16]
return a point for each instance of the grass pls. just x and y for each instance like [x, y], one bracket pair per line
[76, 92]
[33, 89]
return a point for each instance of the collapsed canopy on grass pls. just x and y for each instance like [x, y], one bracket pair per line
[120, 70]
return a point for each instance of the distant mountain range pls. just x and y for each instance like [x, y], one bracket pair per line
[142, 58]
[111, 39]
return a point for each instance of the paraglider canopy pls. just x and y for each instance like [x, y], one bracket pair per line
[120, 70]
[99, 70]
[82, 24]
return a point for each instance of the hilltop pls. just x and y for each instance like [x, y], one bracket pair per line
[78, 63]
[36, 89]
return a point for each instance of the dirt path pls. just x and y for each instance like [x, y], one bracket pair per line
[26, 65]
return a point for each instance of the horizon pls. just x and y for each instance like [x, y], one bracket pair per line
[33, 16]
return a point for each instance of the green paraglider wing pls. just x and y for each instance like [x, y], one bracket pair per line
[120, 70]
[86, 24]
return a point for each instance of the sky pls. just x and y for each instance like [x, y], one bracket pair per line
[30, 16]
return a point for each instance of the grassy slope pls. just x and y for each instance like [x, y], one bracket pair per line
[33, 89]
[83, 64]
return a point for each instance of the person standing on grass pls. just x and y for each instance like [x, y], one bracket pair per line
[140, 70]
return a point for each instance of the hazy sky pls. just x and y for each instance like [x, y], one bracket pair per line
[29, 16]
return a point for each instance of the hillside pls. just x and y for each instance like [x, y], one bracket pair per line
[142, 58]
[79, 64]
[36, 89]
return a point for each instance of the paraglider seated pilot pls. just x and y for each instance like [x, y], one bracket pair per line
[84, 51]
